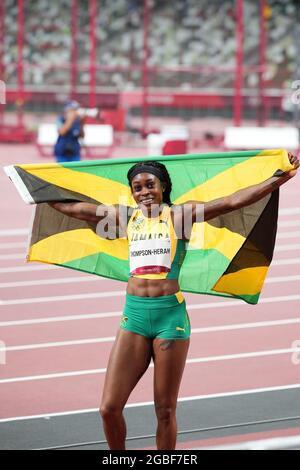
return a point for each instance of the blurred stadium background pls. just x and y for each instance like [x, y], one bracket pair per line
[149, 63]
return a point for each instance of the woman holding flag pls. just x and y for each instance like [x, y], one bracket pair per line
[155, 323]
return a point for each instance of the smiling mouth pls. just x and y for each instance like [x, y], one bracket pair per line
[146, 201]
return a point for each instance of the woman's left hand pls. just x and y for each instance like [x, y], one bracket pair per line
[294, 161]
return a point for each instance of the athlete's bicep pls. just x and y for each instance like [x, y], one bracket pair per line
[185, 215]
[217, 207]
[112, 221]
[203, 211]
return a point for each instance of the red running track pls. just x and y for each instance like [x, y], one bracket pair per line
[241, 329]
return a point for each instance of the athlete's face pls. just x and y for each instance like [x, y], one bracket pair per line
[147, 189]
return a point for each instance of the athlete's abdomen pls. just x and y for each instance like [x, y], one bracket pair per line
[152, 287]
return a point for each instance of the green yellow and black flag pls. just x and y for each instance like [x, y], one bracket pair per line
[232, 257]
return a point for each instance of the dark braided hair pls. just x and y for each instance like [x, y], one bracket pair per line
[156, 168]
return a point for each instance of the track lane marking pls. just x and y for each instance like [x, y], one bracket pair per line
[107, 339]
[151, 403]
[228, 303]
[198, 360]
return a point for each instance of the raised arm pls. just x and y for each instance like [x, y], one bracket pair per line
[84, 210]
[109, 221]
[244, 197]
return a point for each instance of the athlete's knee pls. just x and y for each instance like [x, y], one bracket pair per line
[165, 412]
[109, 411]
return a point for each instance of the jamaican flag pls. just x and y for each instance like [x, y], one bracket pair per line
[231, 256]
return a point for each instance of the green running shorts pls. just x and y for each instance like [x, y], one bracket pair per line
[157, 317]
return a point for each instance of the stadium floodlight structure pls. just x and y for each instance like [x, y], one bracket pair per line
[18, 131]
[263, 6]
[148, 75]
[1, 54]
[239, 62]
[239, 73]
[296, 107]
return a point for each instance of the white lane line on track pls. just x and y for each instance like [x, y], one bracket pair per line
[282, 262]
[289, 211]
[36, 321]
[198, 360]
[281, 235]
[62, 298]
[114, 314]
[271, 443]
[13, 256]
[58, 280]
[275, 279]
[14, 232]
[109, 339]
[290, 247]
[27, 268]
[94, 295]
[151, 403]
[26, 347]
[91, 278]
[4, 246]
[229, 303]
[276, 443]
[289, 223]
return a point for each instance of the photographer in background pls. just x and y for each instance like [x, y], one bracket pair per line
[70, 129]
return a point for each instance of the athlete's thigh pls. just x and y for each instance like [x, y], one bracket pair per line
[169, 361]
[128, 361]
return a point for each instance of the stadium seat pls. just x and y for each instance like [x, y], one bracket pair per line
[172, 140]
[114, 117]
[204, 35]
[247, 138]
[47, 134]
[155, 144]
[98, 140]
[174, 147]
